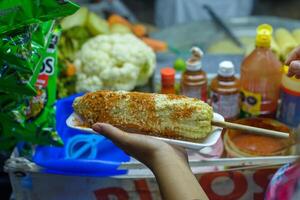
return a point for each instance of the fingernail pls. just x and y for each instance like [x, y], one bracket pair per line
[295, 63]
[97, 127]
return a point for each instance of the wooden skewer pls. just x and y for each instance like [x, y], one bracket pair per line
[249, 129]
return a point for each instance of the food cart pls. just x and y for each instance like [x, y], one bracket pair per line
[48, 174]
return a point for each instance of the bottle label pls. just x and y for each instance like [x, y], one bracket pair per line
[226, 105]
[290, 108]
[251, 103]
[195, 92]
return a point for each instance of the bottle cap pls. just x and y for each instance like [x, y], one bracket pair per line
[194, 62]
[167, 76]
[264, 35]
[226, 68]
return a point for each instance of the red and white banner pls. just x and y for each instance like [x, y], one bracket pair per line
[225, 185]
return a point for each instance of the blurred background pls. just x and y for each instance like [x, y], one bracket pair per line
[184, 23]
[170, 12]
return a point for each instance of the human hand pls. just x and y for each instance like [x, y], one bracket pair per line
[147, 150]
[294, 62]
[168, 163]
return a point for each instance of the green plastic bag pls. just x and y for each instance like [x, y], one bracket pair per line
[13, 107]
[16, 14]
[15, 81]
[25, 47]
[32, 119]
[42, 32]
[18, 48]
[21, 55]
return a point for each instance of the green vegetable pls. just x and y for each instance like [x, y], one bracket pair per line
[119, 28]
[71, 41]
[79, 18]
[179, 64]
[16, 14]
[97, 25]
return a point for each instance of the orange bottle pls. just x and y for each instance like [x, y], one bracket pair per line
[261, 77]
[193, 80]
[167, 80]
[225, 92]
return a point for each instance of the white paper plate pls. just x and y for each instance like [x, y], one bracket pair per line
[74, 122]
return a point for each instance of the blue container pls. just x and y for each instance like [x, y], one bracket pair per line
[83, 154]
[289, 111]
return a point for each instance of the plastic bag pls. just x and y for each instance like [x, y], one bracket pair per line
[18, 48]
[32, 119]
[42, 32]
[21, 54]
[15, 81]
[16, 14]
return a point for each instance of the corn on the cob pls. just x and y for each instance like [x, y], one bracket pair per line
[162, 115]
[285, 41]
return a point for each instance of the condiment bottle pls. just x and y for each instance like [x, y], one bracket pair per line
[225, 92]
[167, 80]
[179, 66]
[289, 112]
[193, 80]
[260, 77]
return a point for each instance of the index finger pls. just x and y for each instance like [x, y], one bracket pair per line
[294, 69]
[294, 55]
[116, 135]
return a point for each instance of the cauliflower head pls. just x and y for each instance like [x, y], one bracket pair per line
[114, 62]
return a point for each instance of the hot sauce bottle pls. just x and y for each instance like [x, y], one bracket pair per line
[225, 92]
[261, 77]
[194, 81]
[167, 80]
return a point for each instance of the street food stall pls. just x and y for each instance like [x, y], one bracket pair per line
[220, 86]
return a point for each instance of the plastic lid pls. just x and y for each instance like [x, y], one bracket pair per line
[264, 35]
[167, 76]
[194, 62]
[226, 68]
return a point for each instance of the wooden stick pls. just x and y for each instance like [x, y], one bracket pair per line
[249, 129]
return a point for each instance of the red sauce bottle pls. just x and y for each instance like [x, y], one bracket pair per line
[167, 80]
[194, 80]
[225, 92]
[261, 77]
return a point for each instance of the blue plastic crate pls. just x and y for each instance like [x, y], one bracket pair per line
[99, 158]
